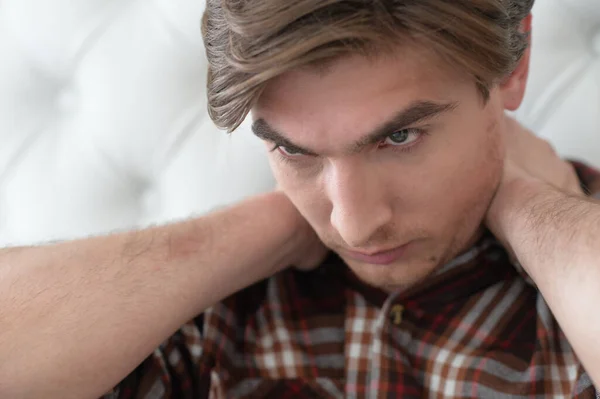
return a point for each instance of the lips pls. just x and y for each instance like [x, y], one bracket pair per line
[379, 258]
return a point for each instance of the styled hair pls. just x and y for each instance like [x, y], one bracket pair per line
[250, 42]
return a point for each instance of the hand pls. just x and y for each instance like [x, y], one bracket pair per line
[530, 165]
[529, 157]
[311, 252]
[308, 251]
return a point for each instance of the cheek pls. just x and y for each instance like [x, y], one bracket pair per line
[306, 194]
[459, 177]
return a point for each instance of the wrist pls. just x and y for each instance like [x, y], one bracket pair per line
[530, 216]
[511, 208]
[252, 240]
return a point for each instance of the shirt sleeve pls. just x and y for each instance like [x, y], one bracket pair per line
[179, 368]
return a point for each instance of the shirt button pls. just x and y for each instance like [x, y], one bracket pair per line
[396, 314]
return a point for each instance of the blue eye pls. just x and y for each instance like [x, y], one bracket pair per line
[402, 137]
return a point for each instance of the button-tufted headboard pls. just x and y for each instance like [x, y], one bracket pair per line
[103, 123]
[563, 98]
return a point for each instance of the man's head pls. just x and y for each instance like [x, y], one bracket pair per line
[385, 117]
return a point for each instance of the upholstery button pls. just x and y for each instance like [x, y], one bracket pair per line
[396, 313]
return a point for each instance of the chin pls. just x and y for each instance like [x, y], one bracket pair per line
[397, 276]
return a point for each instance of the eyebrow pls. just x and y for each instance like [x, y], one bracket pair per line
[264, 131]
[417, 112]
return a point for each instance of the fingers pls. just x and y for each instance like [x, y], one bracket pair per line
[313, 257]
[535, 157]
[572, 184]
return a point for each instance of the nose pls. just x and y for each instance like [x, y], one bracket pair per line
[359, 205]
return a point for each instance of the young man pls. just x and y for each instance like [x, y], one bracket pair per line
[464, 255]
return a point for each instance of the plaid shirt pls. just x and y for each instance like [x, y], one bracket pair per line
[477, 328]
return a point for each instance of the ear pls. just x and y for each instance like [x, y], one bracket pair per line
[513, 88]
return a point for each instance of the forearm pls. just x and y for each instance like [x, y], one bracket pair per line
[77, 317]
[556, 238]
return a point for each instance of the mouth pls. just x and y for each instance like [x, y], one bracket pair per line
[383, 258]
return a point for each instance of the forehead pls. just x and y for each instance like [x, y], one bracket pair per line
[336, 105]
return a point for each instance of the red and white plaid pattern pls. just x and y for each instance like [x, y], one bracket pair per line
[475, 329]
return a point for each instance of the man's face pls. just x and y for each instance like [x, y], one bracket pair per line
[395, 154]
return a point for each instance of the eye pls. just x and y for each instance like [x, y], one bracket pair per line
[288, 152]
[402, 137]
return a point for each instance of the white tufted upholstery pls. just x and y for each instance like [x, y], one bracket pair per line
[563, 98]
[103, 122]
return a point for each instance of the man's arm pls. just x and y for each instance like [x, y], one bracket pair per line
[77, 317]
[541, 215]
[556, 238]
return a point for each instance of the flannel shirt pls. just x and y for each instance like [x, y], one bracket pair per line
[476, 328]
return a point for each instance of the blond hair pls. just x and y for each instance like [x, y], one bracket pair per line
[250, 42]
